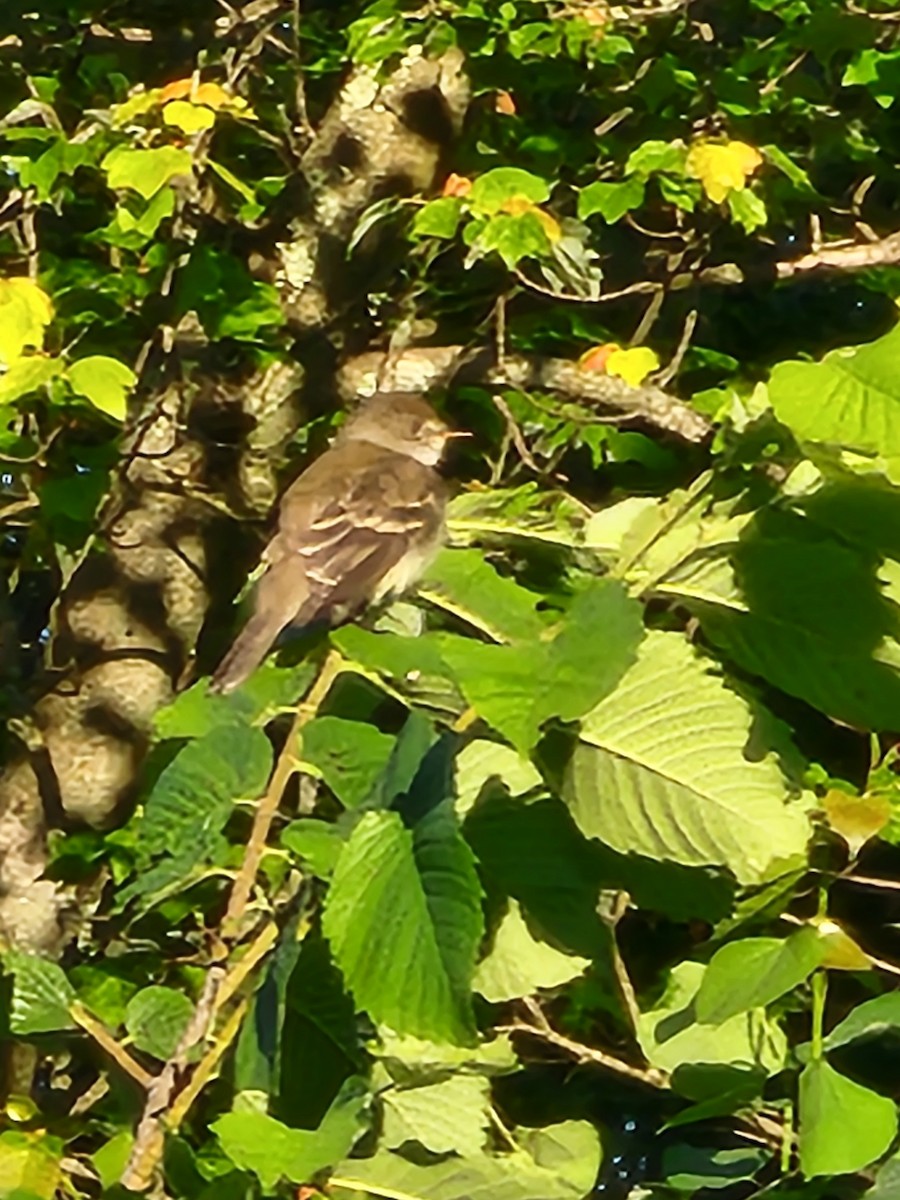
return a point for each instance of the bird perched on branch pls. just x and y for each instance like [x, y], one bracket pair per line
[360, 523]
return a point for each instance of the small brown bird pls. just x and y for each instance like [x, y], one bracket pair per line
[360, 523]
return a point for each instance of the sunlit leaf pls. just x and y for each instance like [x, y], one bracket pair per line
[722, 167]
[25, 312]
[856, 818]
[104, 381]
[843, 1126]
[189, 118]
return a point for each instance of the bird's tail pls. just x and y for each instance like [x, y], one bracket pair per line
[250, 648]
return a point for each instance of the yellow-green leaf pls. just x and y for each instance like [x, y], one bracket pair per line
[27, 375]
[25, 312]
[103, 381]
[189, 118]
[856, 818]
[146, 171]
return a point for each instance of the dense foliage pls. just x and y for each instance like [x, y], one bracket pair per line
[576, 868]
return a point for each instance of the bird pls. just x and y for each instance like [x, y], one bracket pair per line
[361, 523]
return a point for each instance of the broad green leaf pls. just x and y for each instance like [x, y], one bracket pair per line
[670, 1035]
[887, 1181]
[611, 200]
[569, 1149]
[104, 381]
[448, 1116]
[513, 237]
[27, 375]
[112, 1158]
[594, 645]
[464, 583]
[656, 156]
[156, 1018]
[850, 399]
[30, 1165]
[41, 994]
[406, 904]
[495, 188]
[843, 1126]
[195, 794]
[808, 613]
[25, 312]
[410, 1060]
[519, 965]
[753, 972]
[258, 1143]
[871, 1018]
[663, 769]
[535, 853]
[514, 1176]
[439, 218]
[350, 754]
[146, 171]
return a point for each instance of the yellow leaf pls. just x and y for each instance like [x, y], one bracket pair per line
[25, 312]
[189, 118]
[632, 365]
[722, 167]
[213, 95]
[842, 953]
[856, 818]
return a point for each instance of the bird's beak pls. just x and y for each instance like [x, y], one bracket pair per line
[453, 434]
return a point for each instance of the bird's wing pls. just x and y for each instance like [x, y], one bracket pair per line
[351, 537]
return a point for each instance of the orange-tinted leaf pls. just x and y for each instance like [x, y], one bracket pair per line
[456, 185]
[177, 90]
[504, 103]
[597, 357]
[722, 167]
[213, 95]
[856, 818]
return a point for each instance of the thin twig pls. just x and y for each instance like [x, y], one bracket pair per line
[268, 806]
[668, 373]
[107, 1042]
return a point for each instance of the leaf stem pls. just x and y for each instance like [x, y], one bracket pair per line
[819, 993]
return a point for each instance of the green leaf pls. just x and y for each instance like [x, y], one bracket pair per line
[30, 1165]
[406, 904]
[611, 200]
[350, 754]
[662, 769]
[691, 1168]
[41, 994]
[444, 1117]
[439, 218]
[464, 583]
[851, 398]
[872, 1018]
[747, 209]
[27, 375]
[843, 1126]
[104, 381]
[755, 971]
[195, 794]
[112, 1158]
[258, 1143]
[513, 237]
[593, 647]
[156, 1019]
[519, 964]
[513, 1176]
[807, 613]
[670, 1035]
[656, 156]
[493, 189]
[316, 842]
[146, 171]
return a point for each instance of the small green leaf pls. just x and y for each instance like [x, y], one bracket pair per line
[843, 1126]
[156, 1018]
[316, 842]
[104, 381]
[755, 971]
[611, 200]
[439, 218]
[146, 171]
[519, 964]
[41, 994]
[350, 754]
[748, 209]
[447, 1116]
[493, 189]
[258, 1143]
[872, 1018]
